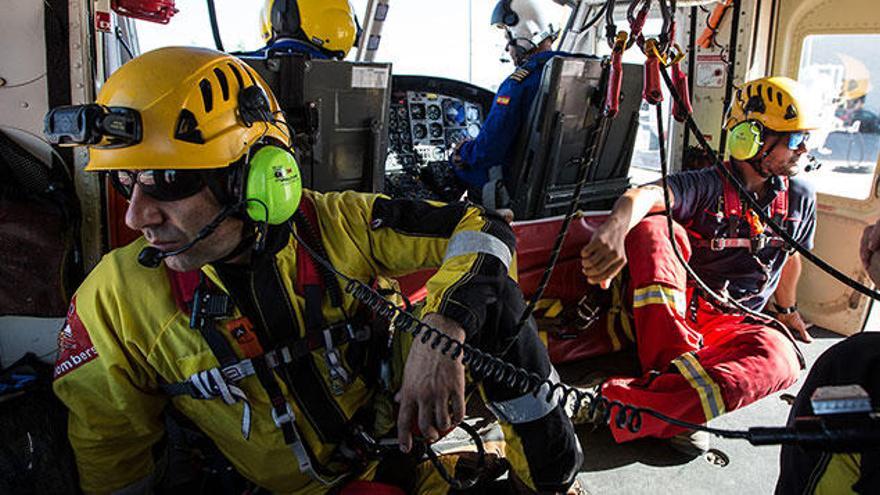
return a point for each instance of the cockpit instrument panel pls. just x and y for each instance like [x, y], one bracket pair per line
[428, 118]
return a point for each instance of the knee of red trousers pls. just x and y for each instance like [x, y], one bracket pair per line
[761, 361]
[650, 255]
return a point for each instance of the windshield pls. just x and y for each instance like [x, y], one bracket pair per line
[451, 39]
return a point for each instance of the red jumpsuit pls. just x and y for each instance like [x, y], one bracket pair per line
[693, 370]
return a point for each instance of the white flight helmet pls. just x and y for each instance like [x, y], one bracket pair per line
[524, 24]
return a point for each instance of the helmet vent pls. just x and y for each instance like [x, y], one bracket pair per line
[769, 94]
[237, 74]
[187, 128]
[207, 95]
[755, 104]
[224, 84]
[779, 98]
[790, 113]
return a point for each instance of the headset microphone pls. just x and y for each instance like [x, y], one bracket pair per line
[812, 164]
[150, 256]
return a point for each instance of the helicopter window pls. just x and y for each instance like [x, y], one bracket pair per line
[238, 22]
[451, 39]
[840, 71]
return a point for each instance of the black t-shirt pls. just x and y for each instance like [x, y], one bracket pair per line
[699, 198]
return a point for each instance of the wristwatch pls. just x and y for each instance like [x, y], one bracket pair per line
[785, 311]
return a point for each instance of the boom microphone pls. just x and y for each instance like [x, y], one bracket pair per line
[150, 256]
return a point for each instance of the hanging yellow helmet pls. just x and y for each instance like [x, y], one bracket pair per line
[777, 103]
[199, 109]
[328, 24]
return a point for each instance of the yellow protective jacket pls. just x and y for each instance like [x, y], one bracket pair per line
[125, 335]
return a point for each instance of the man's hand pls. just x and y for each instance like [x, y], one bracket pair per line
[869, 247]
[433, 387]
[605, 255]
[870, 243]
[797, 325]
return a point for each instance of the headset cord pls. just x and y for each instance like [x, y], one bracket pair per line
[721, 302]
[486, 366]
[753, 203]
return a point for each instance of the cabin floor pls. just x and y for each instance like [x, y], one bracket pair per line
[651, 466]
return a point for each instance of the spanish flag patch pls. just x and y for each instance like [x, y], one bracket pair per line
[503, 100]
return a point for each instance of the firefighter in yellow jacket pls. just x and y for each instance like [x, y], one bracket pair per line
[221, 312]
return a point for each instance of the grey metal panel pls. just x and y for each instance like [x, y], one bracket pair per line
[562, 121]
[339, 111]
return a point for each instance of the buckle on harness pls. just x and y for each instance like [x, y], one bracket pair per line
[361, 334]
[287, 417]
[716, 244]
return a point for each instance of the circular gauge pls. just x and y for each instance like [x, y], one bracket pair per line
[473, 130]
[420, 131]
[453, 111]
[473, 114]
[418, 111]
[436, 130]
[401, 112]
[433, 112]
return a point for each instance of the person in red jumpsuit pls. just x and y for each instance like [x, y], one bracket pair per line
[698, 362]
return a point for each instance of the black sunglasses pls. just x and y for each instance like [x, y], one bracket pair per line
[163, 185]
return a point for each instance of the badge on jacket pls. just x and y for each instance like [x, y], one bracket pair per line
[503, 100]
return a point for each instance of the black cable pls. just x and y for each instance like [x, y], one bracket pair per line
[753, 203]
[592, 22]
[586, 160]
[124, 43]
[215, 29]
[486, 366]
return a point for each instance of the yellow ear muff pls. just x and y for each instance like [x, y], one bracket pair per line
[745, 140]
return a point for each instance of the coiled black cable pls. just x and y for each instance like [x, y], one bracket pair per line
[483, 365]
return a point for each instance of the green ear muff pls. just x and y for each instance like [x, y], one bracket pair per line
[745, 140]
[274, 186]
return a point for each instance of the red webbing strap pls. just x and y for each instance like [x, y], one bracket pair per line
[306, 271]
[733, 203]
[779, 207]
[183, 287]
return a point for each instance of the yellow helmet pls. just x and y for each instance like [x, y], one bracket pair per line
[199, 109]
[327, 24]
[777, 103]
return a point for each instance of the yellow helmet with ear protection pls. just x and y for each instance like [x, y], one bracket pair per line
[199, 109]
[327, 24]
[778, 103]
[775, 103]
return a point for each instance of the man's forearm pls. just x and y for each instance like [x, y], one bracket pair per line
[786, 291]
[635, 204]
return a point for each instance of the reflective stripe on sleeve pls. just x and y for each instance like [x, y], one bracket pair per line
[468, 242]
[528, 407]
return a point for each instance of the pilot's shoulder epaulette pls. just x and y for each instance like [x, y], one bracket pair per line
[520, 74]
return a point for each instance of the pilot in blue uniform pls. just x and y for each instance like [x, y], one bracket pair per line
[481, 163]
[319, 29]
